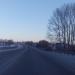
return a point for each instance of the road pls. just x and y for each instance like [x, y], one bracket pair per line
[30, 61]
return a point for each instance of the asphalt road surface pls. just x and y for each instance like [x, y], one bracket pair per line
[30, 61]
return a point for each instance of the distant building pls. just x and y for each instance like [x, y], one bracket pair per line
[6, 42]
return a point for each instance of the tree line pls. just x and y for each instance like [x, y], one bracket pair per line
[62, 25]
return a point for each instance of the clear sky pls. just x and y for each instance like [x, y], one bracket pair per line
[26, 19]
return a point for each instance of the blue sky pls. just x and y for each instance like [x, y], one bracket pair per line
[26, 19]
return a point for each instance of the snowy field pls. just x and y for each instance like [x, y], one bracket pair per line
[10, 47]
[65, 60]
[7, 46]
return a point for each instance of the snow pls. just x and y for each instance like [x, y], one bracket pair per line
[7, 46]
[10, 48]
[67, 61]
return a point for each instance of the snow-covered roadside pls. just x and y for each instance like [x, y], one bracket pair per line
[11, 48]
[65, 60]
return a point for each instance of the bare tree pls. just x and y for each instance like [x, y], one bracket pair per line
[62, 24]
